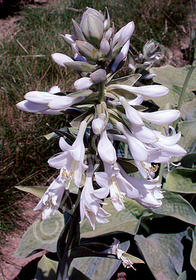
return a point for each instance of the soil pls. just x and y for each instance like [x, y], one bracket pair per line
[11, 266]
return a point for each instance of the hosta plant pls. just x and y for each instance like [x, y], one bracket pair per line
[126, 175]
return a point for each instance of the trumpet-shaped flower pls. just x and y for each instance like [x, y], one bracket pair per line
[72, 157]
[51, 199]
[37, 102]
[90, 203]
[98, 125]
[150, 145]
[106, 150]
[121, 185]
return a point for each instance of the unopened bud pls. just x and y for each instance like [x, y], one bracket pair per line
[92, 26]
[98, 126]
[98, 76]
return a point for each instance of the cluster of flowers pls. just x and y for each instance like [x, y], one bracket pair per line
[109, 110]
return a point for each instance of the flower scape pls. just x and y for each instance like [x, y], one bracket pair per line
[108, 111]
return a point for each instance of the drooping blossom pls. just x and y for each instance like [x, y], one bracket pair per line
[72, 157]
[91, 201]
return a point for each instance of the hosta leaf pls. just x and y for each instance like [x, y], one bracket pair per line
[37, 191]
[193, 251]
[188, 110]
[188, 139]
[118, 221]
[95, 268]
[46, 269]
[163, 254]
[127, 80]
[173, 78]
[41, 235]
[183, 276]
[181, 180]
[127, 164]
[81, 66]
[189, 160]
[175, 206]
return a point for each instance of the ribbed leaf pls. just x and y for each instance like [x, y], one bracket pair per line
[127, 80]
[175, 206]
[188, 110]
[189, 160]
[173, 78]
[46, 269]
[81, 66]
[119, 221]
[183, 276]
[37, 191]
[181, 180]
[163, 254]
[41, 235]
[188, 139]
[193, 251]
[95, 268]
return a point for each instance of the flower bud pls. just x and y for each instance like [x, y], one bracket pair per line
[105, 47]
[92, 26]
[87, 50]
[98, 76]
[150, 48]
[98, 126]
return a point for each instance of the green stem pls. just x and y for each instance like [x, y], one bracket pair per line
[101, 87]
[161, 172]
[181, 99]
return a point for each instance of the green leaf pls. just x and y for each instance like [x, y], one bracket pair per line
[81, 66]
[46, 269]
[181, 180]
[188, 139]
[124, 220]
[188, 110]
[127, 80]
[41, 235]
[173, 78]
[127, 164]
[175, 206]
[163, 254]
[37, 191]
[96, 268]
[183, 276]
[189, 160]
[193, 251]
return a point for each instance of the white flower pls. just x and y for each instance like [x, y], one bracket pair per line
[106, 150]
[123, 35]
[161, 117]
[150, 195]
[90, 203]
[151, 91]
[98, 125]
[61, 59]
[117, 185]
[132, 115]
[150, 145]
[72, 157]
[126, 262]
[61, 103]
[83, 83]
[51, 199]
[37, 101]
[121, 185]
[120, 57]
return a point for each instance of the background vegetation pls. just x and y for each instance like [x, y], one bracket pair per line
[25, 65]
